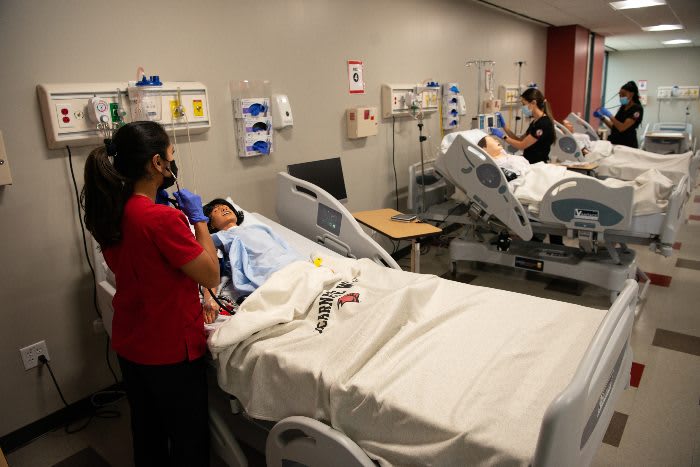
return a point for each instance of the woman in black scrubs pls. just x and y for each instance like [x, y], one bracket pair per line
[625, 122]
[539, 137]
[537, 140]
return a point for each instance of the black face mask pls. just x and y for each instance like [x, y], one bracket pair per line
[170, 181]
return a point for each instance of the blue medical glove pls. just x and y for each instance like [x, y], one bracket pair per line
[191, 205]
[597, 114]
[605, 112]
[498, 132]
[162, 197]
[501, 120]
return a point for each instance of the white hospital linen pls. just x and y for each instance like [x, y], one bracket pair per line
[517, 164]
[651, 189]
[414, 368]
[628, 163]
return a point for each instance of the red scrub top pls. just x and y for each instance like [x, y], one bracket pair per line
[157, 314]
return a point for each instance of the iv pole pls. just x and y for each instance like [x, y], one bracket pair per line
[479, 66]
[520, 64]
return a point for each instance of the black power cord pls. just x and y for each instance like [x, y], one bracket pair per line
[100, 409]
[87, 256]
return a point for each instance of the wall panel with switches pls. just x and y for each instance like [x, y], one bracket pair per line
[72, 112]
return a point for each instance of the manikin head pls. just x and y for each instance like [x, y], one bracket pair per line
[492, 146]
[222, 215]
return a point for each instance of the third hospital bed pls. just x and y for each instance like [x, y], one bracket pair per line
[412, 369]
[600, 217]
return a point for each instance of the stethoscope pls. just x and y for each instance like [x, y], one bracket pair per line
[211, 292]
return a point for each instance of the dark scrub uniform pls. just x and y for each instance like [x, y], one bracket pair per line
[542, 130]
[629, 136]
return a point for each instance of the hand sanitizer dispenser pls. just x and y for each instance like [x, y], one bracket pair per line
[281, 111]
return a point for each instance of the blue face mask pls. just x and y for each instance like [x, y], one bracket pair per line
[526, 111]
[624, 100]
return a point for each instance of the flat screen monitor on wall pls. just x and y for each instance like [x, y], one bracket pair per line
[326, 174]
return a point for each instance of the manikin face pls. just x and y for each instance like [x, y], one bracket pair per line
[493, 147]
[567, 124]
[222, 217]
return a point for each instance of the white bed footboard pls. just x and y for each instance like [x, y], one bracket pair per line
[575, 422]
[586, 203]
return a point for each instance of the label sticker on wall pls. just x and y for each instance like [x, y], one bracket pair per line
[642, 83]
[355, 77]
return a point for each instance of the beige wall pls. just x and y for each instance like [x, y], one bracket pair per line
[660, 67]
[299, 45]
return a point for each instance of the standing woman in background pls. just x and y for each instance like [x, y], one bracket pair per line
[158, 325]
[539, 137]
[624, 124]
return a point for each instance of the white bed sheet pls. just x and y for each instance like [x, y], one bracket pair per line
[414, 368]
[651, 188]
[627, 163]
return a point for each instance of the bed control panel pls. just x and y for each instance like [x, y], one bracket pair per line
[329, 219]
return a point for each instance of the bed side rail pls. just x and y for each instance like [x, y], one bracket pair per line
[576, 421]
[565, 148]
[582, 126]
[474, 172]
[693, 170]
[673, 219]
[586, 204]
[315, 214]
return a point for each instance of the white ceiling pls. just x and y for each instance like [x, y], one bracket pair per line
[621, 28]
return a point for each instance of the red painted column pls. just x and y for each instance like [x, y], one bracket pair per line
[565, 73]
[597, 75]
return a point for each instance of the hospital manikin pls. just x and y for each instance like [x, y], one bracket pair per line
[253, 251]
[513, 166]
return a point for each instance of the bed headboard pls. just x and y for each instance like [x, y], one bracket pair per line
[317, 215]
[582, 126]
[474, 172]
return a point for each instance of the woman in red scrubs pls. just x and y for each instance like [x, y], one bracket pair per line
[158, 325]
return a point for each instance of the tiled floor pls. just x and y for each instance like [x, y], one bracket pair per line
[657, 421]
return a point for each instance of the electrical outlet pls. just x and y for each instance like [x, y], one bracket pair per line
[31, 353]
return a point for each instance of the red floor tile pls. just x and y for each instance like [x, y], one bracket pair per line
[659, 279]
[636, 374]
[677, 245]
[694, 217]
[696, 199]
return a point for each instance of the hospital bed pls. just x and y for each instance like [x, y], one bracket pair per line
[569, 150]
[668, 138]
[566, 428]
[600, 217]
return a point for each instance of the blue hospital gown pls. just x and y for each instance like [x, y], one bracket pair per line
[254, 252]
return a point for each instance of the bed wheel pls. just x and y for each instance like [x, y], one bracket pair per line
[453, 268]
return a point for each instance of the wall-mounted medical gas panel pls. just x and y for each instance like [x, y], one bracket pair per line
[403, 100]
[71, 112]
[678, 92]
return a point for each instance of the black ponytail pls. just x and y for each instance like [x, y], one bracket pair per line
[534, 94]
[631, 86]
[108, 185]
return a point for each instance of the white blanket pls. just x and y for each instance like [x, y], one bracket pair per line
[414, 368]
[628, 163]
[651, 188]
